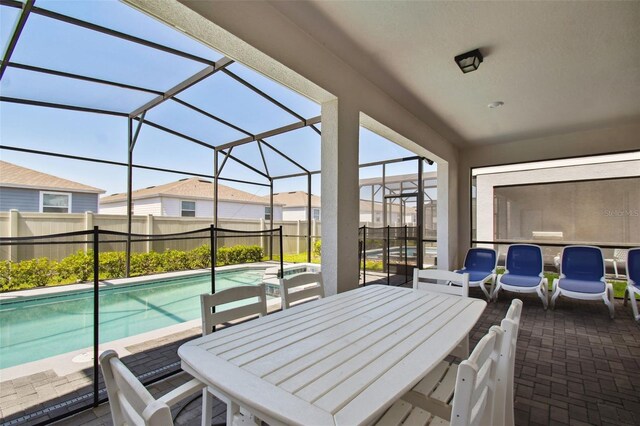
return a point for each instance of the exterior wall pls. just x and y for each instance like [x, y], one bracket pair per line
[28, 200]
[294, 213]
[140, 207]
[204, 208]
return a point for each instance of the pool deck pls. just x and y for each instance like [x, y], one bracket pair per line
[574, 366]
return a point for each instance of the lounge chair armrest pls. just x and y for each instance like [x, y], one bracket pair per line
[180, 393]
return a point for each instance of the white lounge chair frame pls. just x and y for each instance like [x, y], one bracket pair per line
[491, 279]
[619, 255]
[632, 289]
[305, 287]
[542, 289]
[460, 287]
[211, 319]
[606, 296]
[131, 403]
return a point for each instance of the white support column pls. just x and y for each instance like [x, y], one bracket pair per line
[447, 217]
[340, 195]
[298, 233]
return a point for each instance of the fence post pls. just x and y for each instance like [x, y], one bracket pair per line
[281, 254]
[149, 245]
[14, 232]
[263, 243]
[364, 255]
[298, 238]
[96, 310]
[88, 225]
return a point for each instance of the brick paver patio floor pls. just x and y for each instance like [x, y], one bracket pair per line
[574, 366]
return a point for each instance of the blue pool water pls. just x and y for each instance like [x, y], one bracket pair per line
[42, 327]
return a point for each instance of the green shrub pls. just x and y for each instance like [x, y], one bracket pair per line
[146, 263]
[175, 260]
[112, 264]
[5, 275]
[200, 257]
[238, 254]
[32, 273]
[76, 268]
[317, 248]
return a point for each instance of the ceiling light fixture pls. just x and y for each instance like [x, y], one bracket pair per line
[469, 61]
[496, 104]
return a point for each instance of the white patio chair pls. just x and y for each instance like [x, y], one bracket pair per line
[582, 276]
[475, 387]
[301, 287]
[619, 256]
[633, 280]
[131, 403]
[212, 318]
[435, 392]
[440, 281]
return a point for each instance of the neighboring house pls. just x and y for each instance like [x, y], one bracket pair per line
[28, 190]
[295, 205]
[192, 197]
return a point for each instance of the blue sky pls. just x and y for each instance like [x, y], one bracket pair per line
[51, 44]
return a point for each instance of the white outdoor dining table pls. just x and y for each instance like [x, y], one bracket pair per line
[341, 360]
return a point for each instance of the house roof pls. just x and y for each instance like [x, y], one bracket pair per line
[295, 199]
[14, 176]
[191, 188]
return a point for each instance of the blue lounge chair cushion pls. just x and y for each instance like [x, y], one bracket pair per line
[520, 280]
[581, 286]
[474, 276]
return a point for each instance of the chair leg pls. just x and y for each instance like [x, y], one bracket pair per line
[615, 268]
[634, 305]
[494, 296]
[608, 300]
[543, 293]
[556, 293]
[207, 407]
[484, 290]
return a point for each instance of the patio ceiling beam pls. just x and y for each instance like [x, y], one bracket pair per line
[264, 161]
[184, 85]
[264, 95]
[286, 157]
[24, 15]
[270, 133]
[108, 31]
[82, 77]
[315, 129]
[226, 157]
[294, 175]
[119, 163]
[62, 106]
[248, 166]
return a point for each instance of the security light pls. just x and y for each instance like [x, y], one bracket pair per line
[469, 61]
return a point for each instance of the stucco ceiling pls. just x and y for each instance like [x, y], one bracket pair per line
[558, 66]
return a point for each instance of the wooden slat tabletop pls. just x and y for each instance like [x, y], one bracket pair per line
[340, 360]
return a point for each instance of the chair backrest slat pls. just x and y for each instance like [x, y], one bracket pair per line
[633, 265]
[305, 286]
[481, 259]
[524, 259]
[476, 382]
[439, 281]
[582, 263]
[131, 403]
[234, 294]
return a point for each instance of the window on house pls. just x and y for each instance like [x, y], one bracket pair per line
[188, 209]
[55, 202]
[267, 213]
[316, 214]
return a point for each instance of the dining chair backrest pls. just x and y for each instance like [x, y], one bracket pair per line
[437, 280]
[246, 293]
[524, 259]
[503, 403]
[633, 265]
[584, 263]
[481, 259]
[301, 287]
[130, 402]
[476, 382]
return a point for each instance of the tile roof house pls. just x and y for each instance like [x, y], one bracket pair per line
[29, 190]
[192, 197]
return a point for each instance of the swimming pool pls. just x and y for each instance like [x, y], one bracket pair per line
[42, 327]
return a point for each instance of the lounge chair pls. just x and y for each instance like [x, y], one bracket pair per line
[582, 276]
[619, 256]
[524, 272]
[633, 280]
[480, 264]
